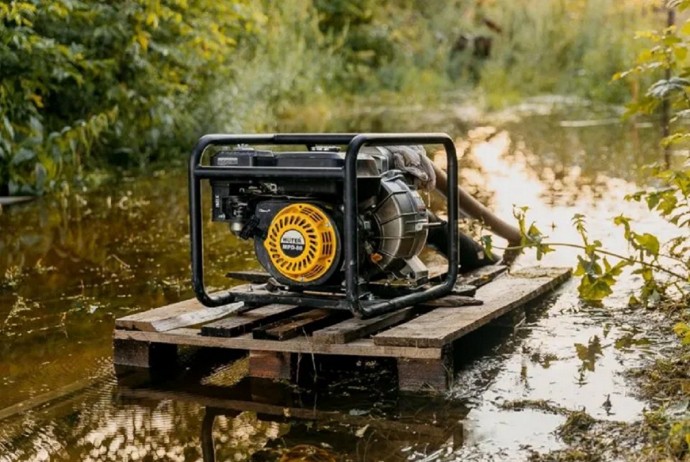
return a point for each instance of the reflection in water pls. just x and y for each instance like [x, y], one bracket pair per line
[315, 422]
[235, 428]
[588, 354]
[68, 268]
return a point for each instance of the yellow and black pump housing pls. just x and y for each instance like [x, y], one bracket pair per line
[330, 217]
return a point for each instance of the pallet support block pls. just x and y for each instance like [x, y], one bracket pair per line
[143, 354]
[270, 364]
[435, 375]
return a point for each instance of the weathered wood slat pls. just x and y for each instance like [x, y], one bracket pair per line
[243, 323]
[192, 337]
[464, 290]
[425, 374]
[143, 354]
[181, 314]
[440, 327]
[354, 328]
[453, 301]
[300, 324]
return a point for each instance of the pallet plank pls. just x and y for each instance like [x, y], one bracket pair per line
[417, 375]
[453, 301]
[300, 324]
[181, 314]
[354, 328]
[441, 326]
[245, 322]
[143, 354]
[192, 337]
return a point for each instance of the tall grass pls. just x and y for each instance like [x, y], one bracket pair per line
[564, 46]
[288, 63]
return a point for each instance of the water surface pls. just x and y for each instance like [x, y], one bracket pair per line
[69, 267]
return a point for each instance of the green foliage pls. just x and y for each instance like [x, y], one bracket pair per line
[286, 71]
[85, 80]
[670, 438]
[391, 46]
[569, 48]
[683, 331]
[530, 235]
[90, 83]
[664, 267]
[596, 281]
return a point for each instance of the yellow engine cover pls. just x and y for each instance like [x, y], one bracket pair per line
[302, 242]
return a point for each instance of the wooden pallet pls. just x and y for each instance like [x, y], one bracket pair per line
[420, 338]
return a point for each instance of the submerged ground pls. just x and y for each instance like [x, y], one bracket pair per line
[72, 266]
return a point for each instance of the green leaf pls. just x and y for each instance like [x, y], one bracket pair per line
[680, 53]
[674, 138]
[8, 127]
[649, 243]
[682, 330]
[594, 289]
[685, 28]
[23, 155]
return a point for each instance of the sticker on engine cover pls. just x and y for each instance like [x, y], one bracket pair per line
[292, 243]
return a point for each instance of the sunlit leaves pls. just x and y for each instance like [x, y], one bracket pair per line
[663, 267]
[682, 330]
[597, 275]
[75, 65]
[682, 5]
[531, 237]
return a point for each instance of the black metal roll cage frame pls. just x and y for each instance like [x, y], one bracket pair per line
[353, 300]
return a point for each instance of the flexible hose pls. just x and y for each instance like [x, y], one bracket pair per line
[476, 210]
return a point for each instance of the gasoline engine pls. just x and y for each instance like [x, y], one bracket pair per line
[297, 225]
[293, 205]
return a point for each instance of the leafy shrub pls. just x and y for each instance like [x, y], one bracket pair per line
[562, 47]
[104, 80]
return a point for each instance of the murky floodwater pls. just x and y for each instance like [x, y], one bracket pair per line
[69, 268]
